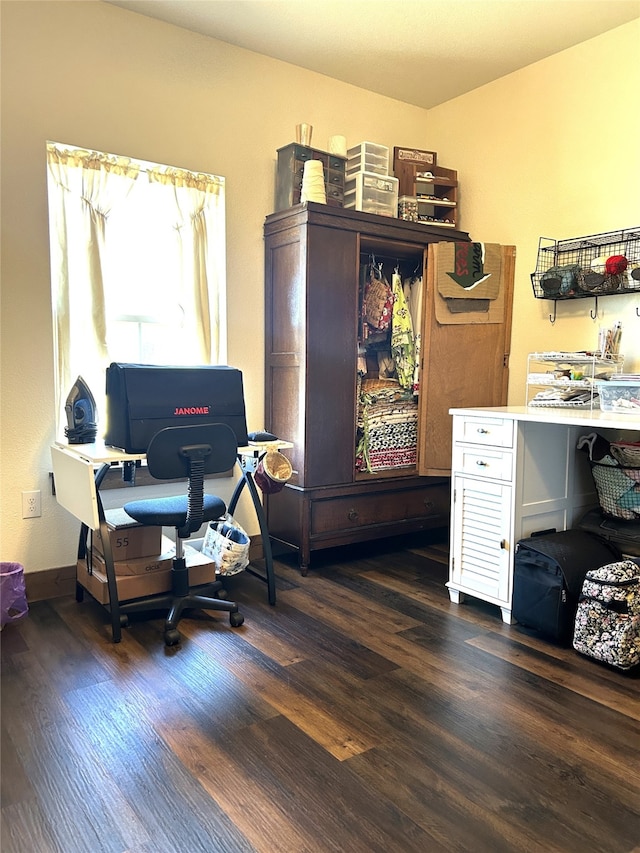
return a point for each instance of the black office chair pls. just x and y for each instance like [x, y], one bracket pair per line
[173, 453]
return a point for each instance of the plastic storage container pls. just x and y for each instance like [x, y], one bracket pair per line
[408, 208]
[620, 395]
[368, 157]
[372, 193]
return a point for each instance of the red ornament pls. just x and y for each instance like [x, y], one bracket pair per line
[615, 264]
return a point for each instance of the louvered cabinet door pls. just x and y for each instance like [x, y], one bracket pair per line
[483, 466]
[480, 563]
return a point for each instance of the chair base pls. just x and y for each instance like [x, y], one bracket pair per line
[182, 598]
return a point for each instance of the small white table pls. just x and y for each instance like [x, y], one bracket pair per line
[515, 471]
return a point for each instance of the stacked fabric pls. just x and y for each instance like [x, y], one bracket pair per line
[387, 426]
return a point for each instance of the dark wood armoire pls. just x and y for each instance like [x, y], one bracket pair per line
[314, 255]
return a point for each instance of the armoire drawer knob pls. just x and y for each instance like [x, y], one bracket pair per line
[428, 505]
[352, 515]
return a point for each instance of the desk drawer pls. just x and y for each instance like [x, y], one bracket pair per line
[497, 432]
[483, 462]
[379, 508]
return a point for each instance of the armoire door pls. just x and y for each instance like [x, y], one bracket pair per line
[310, 314]
[465, 353]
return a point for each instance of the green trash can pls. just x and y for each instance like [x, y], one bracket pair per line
[13, 596]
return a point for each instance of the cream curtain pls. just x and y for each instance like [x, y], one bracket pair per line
[84, 187]
[199, 229]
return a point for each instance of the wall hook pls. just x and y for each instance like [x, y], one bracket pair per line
[552, 317]
[637, 311]
[594, 316]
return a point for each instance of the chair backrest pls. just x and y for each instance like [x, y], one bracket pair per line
[172, 451]
[192, 451]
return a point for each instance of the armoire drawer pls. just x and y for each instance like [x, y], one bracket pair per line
[483, 462]
[496, 432]
[378, 508]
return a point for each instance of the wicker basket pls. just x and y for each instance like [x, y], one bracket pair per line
[618, 488]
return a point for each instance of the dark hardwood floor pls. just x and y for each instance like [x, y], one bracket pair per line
[364, 713]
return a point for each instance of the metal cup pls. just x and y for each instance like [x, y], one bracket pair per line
[303, 134]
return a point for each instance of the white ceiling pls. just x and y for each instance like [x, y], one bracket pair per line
[422, 52]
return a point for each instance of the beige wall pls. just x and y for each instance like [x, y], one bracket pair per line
[90, 74]
[552, 151]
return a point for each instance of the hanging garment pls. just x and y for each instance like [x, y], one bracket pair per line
[402, 338]
[414, 300]
[377, 304]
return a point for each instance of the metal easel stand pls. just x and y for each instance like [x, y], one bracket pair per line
[248, 461]
[118, 619]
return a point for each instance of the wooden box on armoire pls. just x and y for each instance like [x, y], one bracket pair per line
[291, 160]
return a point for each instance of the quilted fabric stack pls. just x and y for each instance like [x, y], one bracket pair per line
[387, 426]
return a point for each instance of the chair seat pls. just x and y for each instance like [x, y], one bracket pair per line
[172, 511]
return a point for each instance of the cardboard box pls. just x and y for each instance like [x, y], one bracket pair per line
[159, 561]
[201, 571]
[129, 539]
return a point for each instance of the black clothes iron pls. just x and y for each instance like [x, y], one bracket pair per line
[81, 414]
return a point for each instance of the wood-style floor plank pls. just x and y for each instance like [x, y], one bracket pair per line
[364, 713]
[609, 691]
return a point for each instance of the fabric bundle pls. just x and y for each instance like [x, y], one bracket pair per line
[387, 426]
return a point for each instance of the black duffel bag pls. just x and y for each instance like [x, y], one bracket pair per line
[143, 399]
[549, 569]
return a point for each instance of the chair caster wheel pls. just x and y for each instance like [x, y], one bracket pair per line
[222, 594]
[171, 637]
[124, 620]
[236, 619]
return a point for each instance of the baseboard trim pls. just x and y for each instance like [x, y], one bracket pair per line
[50, 583]
[56, 583]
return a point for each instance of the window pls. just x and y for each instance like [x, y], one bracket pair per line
[137, 265]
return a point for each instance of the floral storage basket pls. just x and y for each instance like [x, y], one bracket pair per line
[227, 545]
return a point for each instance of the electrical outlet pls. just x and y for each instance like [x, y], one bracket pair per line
[31, 504]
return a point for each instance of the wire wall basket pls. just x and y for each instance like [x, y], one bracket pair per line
[598, 265]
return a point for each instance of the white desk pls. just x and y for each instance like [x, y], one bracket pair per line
[79, 470]
[515, 471]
